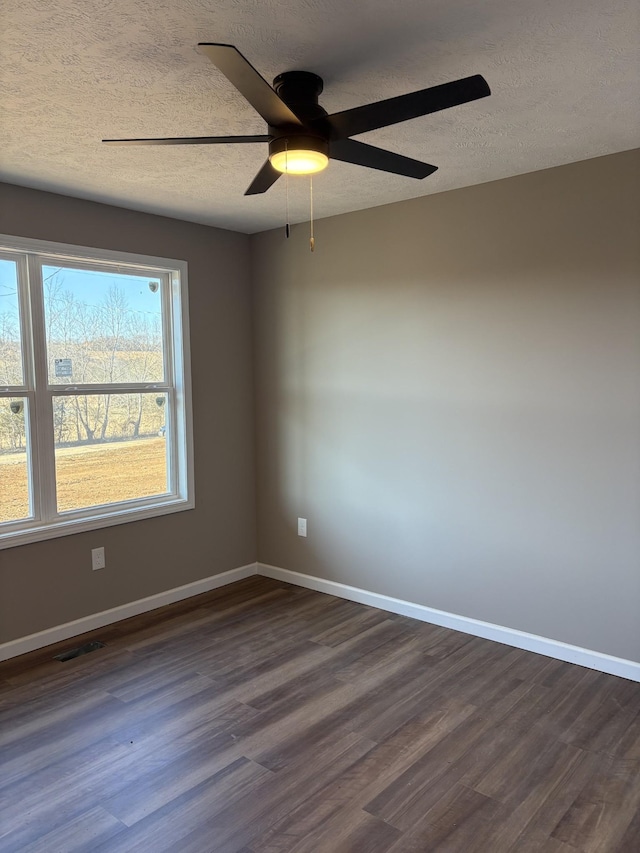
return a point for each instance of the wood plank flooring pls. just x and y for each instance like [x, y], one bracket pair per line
[265, 718]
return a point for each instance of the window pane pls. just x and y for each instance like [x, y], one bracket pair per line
[14, 470]
[102, 327]
[109, 448]
[10, 351]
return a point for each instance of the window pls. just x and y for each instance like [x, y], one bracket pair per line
[95, 408]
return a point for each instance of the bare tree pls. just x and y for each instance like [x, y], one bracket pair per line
[106, 343]
[12, 425]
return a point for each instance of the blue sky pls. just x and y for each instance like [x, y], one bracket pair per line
[89, 287]
[8, 300]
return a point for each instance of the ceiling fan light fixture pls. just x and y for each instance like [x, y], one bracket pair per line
[299, 155]
[299, 161]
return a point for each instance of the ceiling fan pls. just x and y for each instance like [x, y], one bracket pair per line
[302, 136]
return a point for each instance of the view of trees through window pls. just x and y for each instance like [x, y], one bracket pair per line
[14, 470]
[11, 371]
[90, 341]
[102, 328]
[108, 332]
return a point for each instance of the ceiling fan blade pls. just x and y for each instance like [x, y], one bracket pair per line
[250, 83]
[404, 107]
[351, 151]
[189, 140]
[266, 177]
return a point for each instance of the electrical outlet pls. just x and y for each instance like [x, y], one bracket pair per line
[302, 527]
[97, 559]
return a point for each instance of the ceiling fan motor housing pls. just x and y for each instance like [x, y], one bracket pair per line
[300, 90]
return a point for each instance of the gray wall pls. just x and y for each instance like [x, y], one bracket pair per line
[448, 390]
[49, 583]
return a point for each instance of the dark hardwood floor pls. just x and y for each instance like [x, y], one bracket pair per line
[265, 718]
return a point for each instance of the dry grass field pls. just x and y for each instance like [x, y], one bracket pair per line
[89, 475]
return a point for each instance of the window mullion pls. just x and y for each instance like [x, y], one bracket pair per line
[180, 364]
[24, 308]
[168, 299]
[43, 408]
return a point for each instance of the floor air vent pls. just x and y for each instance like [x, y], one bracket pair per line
[81, 650]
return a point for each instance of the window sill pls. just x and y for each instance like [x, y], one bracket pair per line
[66, 527]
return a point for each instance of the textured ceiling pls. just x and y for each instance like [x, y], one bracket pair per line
[564, 77]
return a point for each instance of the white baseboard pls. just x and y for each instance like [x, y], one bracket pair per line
[488, 631]
[124, 611]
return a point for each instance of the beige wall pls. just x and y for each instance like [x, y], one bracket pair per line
[448, 389]
[49, 583]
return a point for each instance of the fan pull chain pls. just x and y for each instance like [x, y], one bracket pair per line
[312, 239]
[287, 229]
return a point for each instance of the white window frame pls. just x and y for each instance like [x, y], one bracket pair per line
[46, 523]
